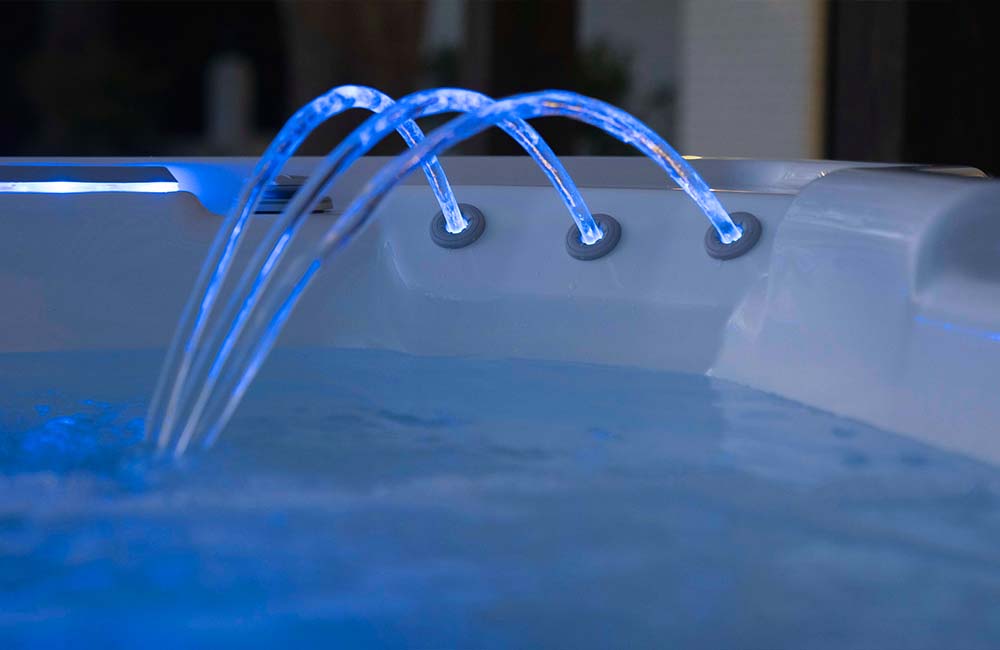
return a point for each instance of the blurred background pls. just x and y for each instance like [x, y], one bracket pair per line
[882, 81]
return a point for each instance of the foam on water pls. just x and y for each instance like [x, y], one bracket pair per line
[353, 501]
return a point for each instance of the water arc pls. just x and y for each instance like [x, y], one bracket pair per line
[198, 309]
[255, 342]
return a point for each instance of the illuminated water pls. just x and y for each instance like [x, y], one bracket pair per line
[355, 502]
[277, 288]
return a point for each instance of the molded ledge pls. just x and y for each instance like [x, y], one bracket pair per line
[881, 303]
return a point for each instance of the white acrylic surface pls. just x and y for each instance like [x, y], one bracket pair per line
[874, 292]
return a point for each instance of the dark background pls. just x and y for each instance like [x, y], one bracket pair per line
[903, 81]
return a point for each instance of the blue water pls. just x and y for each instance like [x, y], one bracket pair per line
[363, 499]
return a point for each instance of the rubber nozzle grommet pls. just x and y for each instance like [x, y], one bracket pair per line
[751, 227]
[472, 232]
[612, 234]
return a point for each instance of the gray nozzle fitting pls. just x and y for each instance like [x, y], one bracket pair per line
[475, 229]
[612, 234]
[751, 227]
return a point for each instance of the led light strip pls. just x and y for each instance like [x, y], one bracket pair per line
[86, 179]
[83, 187]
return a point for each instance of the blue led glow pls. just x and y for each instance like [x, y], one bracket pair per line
[84, 187]
[272, 303]
[989, 335]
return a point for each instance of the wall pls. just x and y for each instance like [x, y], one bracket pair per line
[752, 78]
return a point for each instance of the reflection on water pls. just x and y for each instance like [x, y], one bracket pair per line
[354, 501]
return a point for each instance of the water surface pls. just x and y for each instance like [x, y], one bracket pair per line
[381, 500]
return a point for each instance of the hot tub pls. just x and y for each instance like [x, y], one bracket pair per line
[502, 445]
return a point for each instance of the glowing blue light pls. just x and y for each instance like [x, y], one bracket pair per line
[956, 328]
[86, 187]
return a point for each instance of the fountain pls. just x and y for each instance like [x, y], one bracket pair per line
[727, 237]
